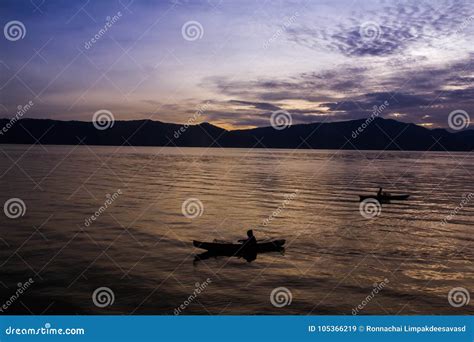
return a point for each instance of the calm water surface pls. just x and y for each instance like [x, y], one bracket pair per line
[141, 245]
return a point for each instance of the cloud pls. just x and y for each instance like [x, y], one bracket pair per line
[418, 94]
[386, 31]
[256, 105]
[308, 86]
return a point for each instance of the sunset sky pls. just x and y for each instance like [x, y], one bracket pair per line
[318, 60]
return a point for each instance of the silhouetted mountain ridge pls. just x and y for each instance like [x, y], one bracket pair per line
[379, 134]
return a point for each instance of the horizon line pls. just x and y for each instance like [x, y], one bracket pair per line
[242, 129]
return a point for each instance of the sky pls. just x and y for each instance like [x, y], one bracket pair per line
[234, 63]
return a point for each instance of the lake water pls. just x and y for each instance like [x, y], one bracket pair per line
[140, 244]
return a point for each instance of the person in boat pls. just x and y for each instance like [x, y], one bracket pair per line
[251, 241]
[250, 246]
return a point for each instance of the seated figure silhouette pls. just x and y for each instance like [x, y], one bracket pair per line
[249, 247]
[251, 241]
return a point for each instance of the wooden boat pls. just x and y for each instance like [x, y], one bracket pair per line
[231, 249]
[384, 198]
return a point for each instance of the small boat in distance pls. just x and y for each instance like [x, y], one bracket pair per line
[384, 197]
[231, 249]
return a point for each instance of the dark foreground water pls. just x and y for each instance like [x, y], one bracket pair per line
[139, 244]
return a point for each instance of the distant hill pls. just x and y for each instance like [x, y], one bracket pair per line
[380, 134]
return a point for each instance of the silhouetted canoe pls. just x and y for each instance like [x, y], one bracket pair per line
[239, 248]
[384, 198]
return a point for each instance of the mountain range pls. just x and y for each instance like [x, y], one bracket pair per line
[379, 134]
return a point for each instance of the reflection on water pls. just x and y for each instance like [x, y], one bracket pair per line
[140, 245]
